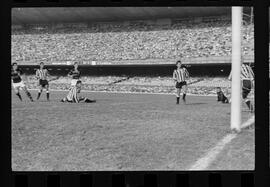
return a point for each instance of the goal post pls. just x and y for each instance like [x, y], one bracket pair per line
[236, 68]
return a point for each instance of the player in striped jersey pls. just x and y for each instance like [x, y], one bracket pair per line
[247, 78]
[73, 95]
[74, 74]
[42, 76]
[18, 83]
[180, 75]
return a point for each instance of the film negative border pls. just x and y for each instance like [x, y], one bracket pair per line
[259, 177]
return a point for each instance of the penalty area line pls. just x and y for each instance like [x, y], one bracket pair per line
[204, 162]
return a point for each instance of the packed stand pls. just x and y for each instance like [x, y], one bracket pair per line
[133, 41]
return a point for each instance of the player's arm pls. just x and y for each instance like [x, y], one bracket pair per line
[230, 76]
[186, 73]
[174, 76]
[37, 76]
[70, 73]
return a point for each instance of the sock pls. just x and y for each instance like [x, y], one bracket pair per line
[177, 100]
[184, 97]
[29, 95]
[39, 93]
[19, 95]
[48, 95]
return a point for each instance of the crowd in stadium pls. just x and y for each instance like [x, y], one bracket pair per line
[118, 41]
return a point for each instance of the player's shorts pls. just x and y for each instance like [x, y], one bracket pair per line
[18, 85]
[43, 83]
[74, 82]
[180, 84]
[246, 88]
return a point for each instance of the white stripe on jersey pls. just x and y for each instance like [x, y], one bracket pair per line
[42, 74]
[246, 73]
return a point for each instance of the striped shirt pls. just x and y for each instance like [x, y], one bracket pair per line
[246, 73]
[180, 75]
[73, 94]
[42, 74]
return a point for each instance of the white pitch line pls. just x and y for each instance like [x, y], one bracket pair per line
[211, 155]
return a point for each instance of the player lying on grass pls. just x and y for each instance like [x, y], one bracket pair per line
[221, 97]
[18, 83]
[73, 95]
[247, 79]
[42, 75]
[180, 75]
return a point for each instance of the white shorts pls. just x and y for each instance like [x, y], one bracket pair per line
[74, 82]
[18, 85]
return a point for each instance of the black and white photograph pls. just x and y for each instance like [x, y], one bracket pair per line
[132, 88]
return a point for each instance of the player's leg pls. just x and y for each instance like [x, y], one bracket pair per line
[47, 91]
[39, 91]
[178, 91]
[86, 100]
[17, 92]
[27, 93]
[184, 88]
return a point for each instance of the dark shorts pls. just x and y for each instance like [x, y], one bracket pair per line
[246, 88]
[43, 83]
[180, 84]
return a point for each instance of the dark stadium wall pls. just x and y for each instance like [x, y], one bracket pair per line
[211, 70]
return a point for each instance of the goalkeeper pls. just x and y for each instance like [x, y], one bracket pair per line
[73, 95]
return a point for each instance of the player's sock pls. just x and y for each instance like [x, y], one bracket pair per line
[19, 95]
[39, 93]
[48, 95]
[184, 97]
[177, 100]
[29, 95]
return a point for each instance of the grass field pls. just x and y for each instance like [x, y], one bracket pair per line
[124, 132]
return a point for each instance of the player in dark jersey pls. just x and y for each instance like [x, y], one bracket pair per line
[42, 75]
[180, 75]
[75, 74]
[221, 97]
[18, 83]
[73, 95]
[247, 78]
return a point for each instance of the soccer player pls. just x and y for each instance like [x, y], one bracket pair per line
[42, 75]
[73, 95]
[18, 83]
[74, 74]
[180, 75]
[221, 97]
[247, 78]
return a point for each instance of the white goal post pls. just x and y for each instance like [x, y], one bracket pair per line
[236, 69]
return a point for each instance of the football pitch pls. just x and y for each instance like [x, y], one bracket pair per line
[125, 132]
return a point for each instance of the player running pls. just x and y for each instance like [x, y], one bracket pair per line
[73, 95]
[42, 75]
[180, 75]
[74, 74]
[18, 83]
[247, 78]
